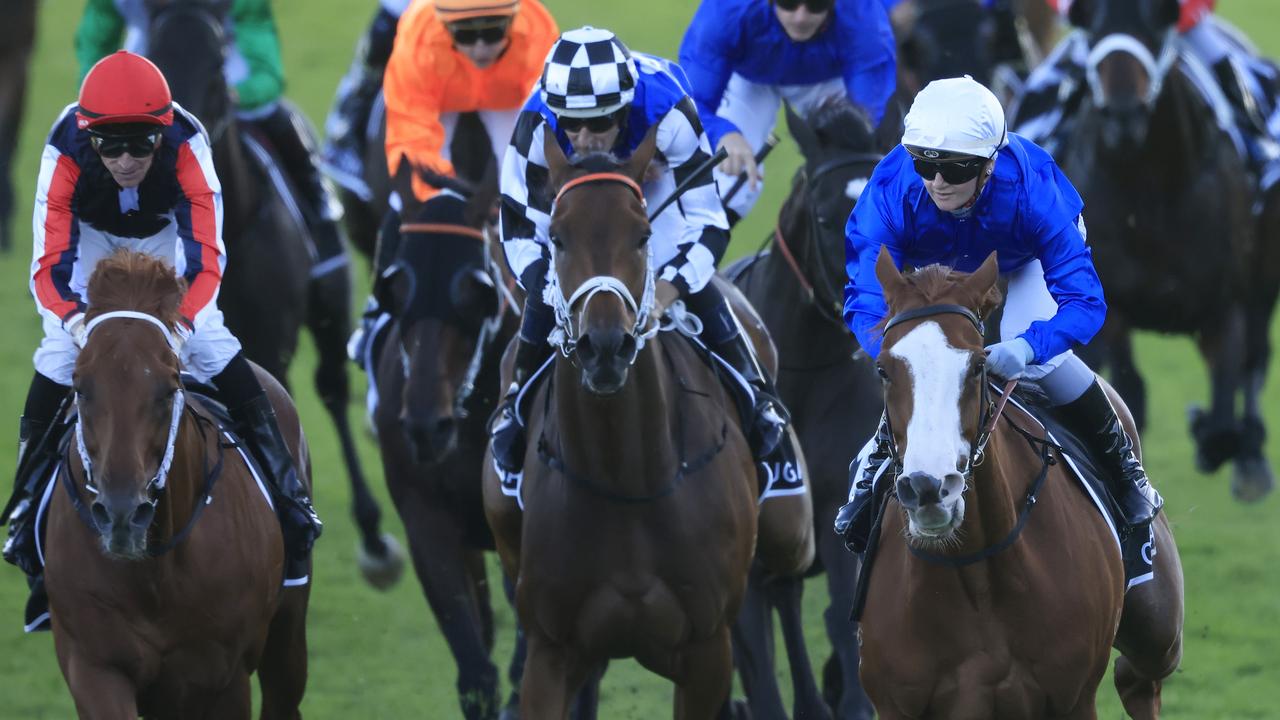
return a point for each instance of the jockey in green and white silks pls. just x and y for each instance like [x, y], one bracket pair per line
[254, 69]
[959, 187]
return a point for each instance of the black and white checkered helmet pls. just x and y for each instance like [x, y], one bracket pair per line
[588, 73]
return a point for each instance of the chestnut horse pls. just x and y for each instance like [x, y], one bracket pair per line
[639, 491]
[978, 607]
[163, 557]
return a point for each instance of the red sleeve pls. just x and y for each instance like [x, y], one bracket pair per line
[57, 241]
[199, 226]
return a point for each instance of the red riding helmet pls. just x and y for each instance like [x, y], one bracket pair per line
[124, 88]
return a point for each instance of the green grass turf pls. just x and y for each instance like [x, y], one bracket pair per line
[382, 656]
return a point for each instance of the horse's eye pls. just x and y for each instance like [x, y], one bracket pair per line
[555, 240]
[644, 239]
[881, 372]
[979, 366]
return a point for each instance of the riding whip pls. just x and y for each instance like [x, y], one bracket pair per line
[769, 143]
[705, 167]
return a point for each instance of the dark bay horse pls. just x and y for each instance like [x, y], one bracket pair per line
[1167, 200]
[639, 491]
[17, 36]
[437, 384]
[798, 288]
[163, 557]
[273, 286]
[978, 607]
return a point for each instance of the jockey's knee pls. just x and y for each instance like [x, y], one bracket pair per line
[1065, 377]
[209, 349]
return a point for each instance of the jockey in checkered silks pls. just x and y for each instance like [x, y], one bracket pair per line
[745, 57]
[254, 68]
[1218, 60]
[126, 167]
[959, 187]
[596, 96]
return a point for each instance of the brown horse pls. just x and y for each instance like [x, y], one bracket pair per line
[977, 607]
[639, 493]
[163, 556]
[17, 35]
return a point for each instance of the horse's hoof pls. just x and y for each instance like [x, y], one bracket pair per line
[1252, 480]
[736, 709]
[1214, 445]
[385, 571]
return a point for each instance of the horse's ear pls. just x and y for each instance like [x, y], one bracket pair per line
[636, 166]
[804, 135]
[980, 284]
[557, 163]
[891, 281]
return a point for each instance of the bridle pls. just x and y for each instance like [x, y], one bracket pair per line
[989, 410]
[829, 303]
[1157, 67]
[565, 335]
[156, 485]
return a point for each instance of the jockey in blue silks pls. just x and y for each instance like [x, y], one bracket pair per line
[958, 187]
[744, 57]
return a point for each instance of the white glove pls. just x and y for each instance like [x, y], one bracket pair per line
[1010, 358]
[182, 332]
[77, 328]
[740, 159]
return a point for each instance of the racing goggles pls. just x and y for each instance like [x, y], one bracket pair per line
[139, 146]
[491, 33]
[815, 6]
[955, 169]
[599, 124]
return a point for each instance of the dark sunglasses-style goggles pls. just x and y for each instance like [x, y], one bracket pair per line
[955, 168]
[598, 124]
[139, 146]
[490, 34]
[815, 6]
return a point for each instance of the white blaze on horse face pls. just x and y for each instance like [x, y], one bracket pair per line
[935, 442]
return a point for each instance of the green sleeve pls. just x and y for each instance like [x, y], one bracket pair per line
[259, 45]
[101, 29]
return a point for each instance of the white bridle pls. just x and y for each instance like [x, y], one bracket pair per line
[565, 335]
[1157, 68]
[157, 482]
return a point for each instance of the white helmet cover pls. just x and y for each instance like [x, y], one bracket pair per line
[956, 115]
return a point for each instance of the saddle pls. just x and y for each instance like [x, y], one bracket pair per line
[777, 478]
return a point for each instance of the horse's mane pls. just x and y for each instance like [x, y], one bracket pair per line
[129, 280]
[937, 283]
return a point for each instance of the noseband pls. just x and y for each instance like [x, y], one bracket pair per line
[565, 336]
[1156, 67]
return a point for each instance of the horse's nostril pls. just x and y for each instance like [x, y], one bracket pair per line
[100, 515]
[143, 515]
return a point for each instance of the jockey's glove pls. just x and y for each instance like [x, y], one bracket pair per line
[77, 328]
[1009, 359]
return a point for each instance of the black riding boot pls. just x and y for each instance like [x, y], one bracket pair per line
[768, 421]
[345, 129]
[853, 520]
[37, 454]
[1094, 421]
[508, 434]
[292, 140]
[256, 422]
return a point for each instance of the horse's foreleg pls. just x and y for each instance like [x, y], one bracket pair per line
[552, 677]
[851, 702]
[753, 650]
[1216, 432]
[705, 677]
[328, 319]
[1253, 478]
[515, 670]
[282, 672]
[1150, 634]
[99, 693]
[440, 559]
[788, 596]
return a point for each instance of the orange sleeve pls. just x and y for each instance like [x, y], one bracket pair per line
[412, 87]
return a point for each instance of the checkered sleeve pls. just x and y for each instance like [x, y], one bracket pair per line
[705, 237]
[525, 210]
